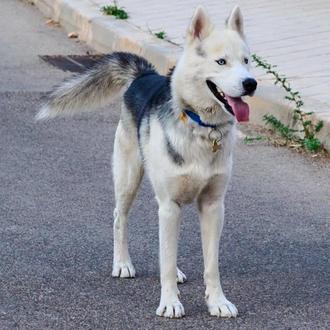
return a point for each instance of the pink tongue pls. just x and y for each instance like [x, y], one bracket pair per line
[240, 108]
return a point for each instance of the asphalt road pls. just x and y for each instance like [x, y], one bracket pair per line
[56, 202]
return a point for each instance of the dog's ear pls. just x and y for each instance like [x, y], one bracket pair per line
[200, 26]
[235, 21]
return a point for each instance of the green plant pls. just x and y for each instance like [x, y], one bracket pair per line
[284, 130]
[114, 10]
[160, 34]
[307, 128]
[251, 139]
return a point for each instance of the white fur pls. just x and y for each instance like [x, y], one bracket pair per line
[44, 113]
[199, 178]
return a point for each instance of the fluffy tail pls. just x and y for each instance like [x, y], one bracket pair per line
[95, 87]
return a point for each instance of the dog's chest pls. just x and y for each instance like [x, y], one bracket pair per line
[187, 187]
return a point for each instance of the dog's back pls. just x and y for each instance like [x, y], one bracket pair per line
[146, 94]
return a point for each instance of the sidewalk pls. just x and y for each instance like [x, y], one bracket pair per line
[293, 35]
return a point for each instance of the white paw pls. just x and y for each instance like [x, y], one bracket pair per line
[123, 269]
[180, 276]
[171, 309]
[222, 307]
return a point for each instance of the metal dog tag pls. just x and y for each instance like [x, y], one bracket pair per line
[216, 145]
[215, 136]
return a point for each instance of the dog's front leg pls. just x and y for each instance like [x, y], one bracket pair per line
[169, 223]
[211, 218]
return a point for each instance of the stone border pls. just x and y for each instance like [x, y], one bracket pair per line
[106, 34]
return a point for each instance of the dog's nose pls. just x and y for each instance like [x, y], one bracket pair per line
[249, 85]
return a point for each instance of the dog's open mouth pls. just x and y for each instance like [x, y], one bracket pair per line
[234, 105]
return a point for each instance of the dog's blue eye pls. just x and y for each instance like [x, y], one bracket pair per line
[246, 60]
[221, 61]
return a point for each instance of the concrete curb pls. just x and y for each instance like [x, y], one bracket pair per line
[106, 34]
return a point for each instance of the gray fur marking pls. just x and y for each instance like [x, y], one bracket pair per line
[176, 157]
[200, 51]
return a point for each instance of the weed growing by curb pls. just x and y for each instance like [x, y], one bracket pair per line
[252, 139]
[114, 10]
[160, 34]
[307, 128]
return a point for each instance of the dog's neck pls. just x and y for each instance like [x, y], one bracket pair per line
[208, 110]
[208, 134]
[213, 114]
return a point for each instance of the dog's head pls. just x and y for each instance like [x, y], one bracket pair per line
[215, 65]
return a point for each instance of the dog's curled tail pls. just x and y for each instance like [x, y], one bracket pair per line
[96, 86]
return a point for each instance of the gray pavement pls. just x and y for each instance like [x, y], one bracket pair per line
[23, 36]
[56, 202]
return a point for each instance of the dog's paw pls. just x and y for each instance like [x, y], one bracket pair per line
[171, 309]
[123, 269]
[180, 276]
[222, 307]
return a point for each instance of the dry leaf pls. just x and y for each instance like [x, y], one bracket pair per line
[73, 35]
[295, 145]
[51, 22]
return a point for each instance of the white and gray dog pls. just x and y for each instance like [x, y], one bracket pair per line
[180, 129]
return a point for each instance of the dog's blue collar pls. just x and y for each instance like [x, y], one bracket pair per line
[197, 119]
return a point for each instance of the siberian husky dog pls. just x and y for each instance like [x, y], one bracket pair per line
[180, 129]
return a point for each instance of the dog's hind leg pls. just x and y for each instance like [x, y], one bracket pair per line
[127, 175]
[180, 276]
